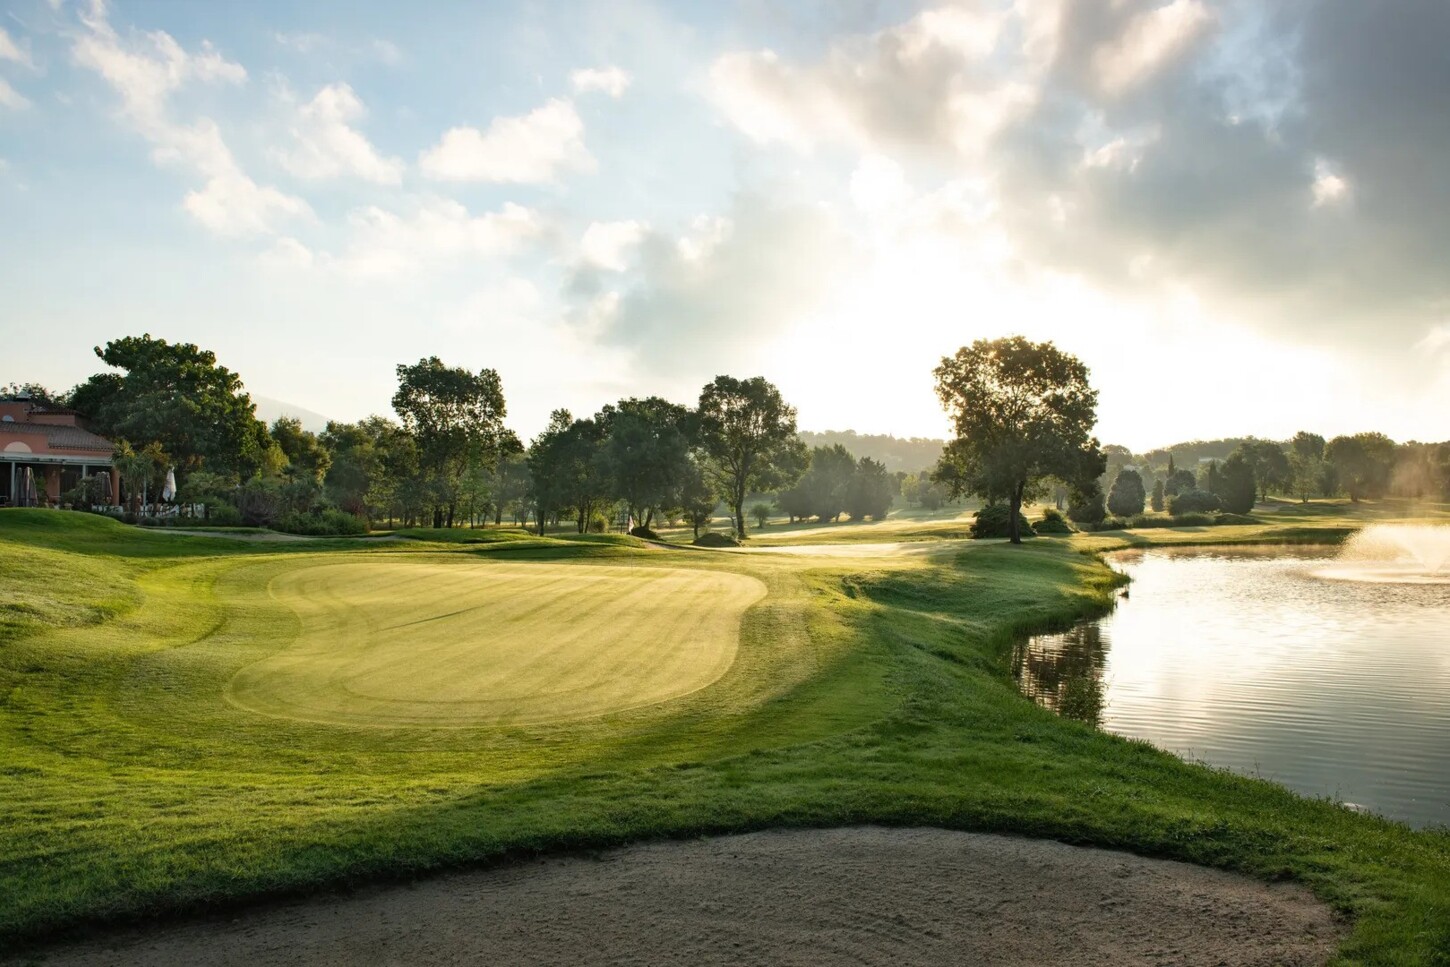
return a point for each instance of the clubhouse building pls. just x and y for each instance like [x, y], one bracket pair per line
[45, 451]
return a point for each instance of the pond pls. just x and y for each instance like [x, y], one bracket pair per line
[1326, 672]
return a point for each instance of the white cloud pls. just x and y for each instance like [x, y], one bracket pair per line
[146, 69]
[933, 81]
[609, 245]
[387, 243]
[1328, 188]
[235, 205]
[878, 184]
[1437, 339]
[532, 149]
[11, 98]
[607, 80]
[328, 146]
[288, 253]
[13, 52]
[1150, 40]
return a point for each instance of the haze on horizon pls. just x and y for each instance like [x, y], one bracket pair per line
[1235, 213]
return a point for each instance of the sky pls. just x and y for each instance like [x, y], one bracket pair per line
[1236, 213]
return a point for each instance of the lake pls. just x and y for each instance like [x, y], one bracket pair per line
[1283, 664]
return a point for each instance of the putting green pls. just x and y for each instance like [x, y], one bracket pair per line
[449, 643]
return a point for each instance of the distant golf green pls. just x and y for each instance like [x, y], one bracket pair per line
[413, 642]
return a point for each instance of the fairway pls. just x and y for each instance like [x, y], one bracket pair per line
[450, 643]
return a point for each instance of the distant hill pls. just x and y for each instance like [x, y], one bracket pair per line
[269, 409]
[1190, 453]
[910, 454]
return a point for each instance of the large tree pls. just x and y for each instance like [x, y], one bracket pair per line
[747, 432]
[1022, 412]
[1270, 465]
[457, 417]
[646, 453]
[176, 395]
[1363, 462]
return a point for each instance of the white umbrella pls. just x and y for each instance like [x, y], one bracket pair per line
[168, 490]
[27, 489]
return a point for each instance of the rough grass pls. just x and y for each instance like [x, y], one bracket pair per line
[862, 691]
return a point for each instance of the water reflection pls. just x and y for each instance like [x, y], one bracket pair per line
[1246, 658]
[1065, 672]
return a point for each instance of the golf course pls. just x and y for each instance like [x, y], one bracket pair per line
[195, 723]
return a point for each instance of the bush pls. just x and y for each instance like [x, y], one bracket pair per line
[598, 524]
[644, 532]
[995, 520]
[1194, 502]
[1234, 519]
[711, 539]
[1113, 524]
[1052, 522]
[1126, 497]
[1144, 521]
[327, 523]
[223, 515]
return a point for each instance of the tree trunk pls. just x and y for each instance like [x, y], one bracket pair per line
[1015, 510]
[437, 517]
[497, 514]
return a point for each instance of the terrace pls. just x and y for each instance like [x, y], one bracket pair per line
[45, 451]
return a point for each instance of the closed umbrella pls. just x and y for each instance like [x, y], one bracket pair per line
[168, 490]
[107, 497]
[27, 489]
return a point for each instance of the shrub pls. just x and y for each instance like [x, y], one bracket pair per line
[1143, 521]
[1233, 519]
[995, 520]
[644, 532]
[1126, 497]
[327, 523]
[1113, 524]
[711, 539]
[1194, 502]
[1052, 522]
[598, 524]
[223, 515]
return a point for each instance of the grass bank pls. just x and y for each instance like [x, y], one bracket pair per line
[863, 690]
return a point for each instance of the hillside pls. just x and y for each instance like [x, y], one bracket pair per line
[910, 454]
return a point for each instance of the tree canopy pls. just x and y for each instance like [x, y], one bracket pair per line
[454, 414]
[175, 395]
[1022, 412]
[748, 435]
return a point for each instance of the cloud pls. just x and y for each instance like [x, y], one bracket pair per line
[1274, 159]
[534, 148]
[928, 82]
[235, 205]
[753, 274]
[11, 98]
[13, 52]
[328, 146]
[145, 70]
[608, 245]
[390, 243]
[606, 80]
[1150, 39]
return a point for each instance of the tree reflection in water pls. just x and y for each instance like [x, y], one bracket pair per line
[1065, 672]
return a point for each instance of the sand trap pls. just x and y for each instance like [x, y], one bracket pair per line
[848, 896]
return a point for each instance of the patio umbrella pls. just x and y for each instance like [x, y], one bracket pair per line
[168, 490]
[27, 489]
[107, 497]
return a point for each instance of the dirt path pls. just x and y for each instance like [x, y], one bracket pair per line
[847, 896]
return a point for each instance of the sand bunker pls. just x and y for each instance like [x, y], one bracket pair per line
[848, 896]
